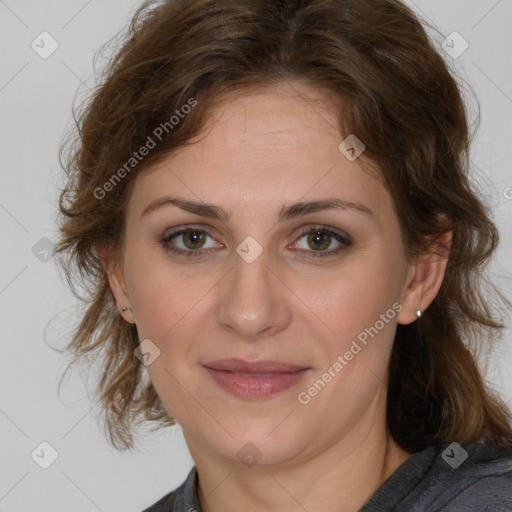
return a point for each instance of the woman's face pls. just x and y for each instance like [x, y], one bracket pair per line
[261, 290]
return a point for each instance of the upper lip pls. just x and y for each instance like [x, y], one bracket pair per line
[242, 366]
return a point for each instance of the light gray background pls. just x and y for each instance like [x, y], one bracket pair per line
[35, 101]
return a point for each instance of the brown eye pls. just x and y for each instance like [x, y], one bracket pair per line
[188, 242]
[319, 239]
[193, 239]
[191, 242]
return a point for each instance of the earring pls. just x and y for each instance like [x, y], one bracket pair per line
[124, 308]
[418, 313]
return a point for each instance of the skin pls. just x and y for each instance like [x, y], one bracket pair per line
[264, 150]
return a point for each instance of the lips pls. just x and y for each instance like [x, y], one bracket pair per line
[256, 367]
[254, 380]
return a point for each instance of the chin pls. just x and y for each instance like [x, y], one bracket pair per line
[262, 444]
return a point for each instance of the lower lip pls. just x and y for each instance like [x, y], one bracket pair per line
[254, 386]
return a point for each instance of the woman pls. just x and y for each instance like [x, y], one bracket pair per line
[269, 202]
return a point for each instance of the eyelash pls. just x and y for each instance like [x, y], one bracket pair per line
[343, 239]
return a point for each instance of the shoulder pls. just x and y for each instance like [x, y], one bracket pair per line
[182, 499]
[165, 504]
[492, 493]
[481, 482]
[448, 477]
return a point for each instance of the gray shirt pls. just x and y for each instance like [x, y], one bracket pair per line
[442, 478]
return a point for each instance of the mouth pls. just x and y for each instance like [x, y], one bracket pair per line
[254, 380]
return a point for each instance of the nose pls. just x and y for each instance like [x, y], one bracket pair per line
[256, 298]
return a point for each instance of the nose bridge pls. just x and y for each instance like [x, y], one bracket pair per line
[253, 301]
[251, 263]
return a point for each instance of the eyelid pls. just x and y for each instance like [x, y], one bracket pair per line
[327, 229]
[341, 237]
[191, 227]
[174, 233]
[303, 230]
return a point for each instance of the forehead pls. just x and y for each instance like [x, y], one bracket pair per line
[265, 148]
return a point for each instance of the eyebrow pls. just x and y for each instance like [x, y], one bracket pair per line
[287, 212]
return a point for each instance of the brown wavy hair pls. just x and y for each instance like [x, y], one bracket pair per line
[391, 88]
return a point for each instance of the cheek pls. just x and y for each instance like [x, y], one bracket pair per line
[169, 304]
[159, 296]
[155, 306]
[355, 302]
[164, 305]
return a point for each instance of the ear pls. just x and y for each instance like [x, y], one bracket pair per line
[117, 281]
[424, 279]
